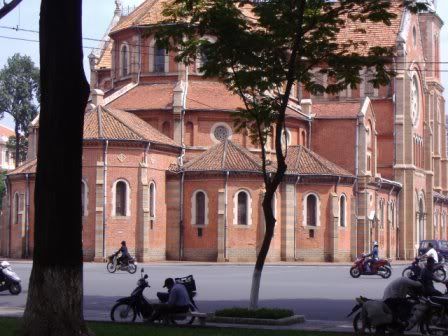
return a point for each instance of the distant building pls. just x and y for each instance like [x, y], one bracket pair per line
[164, 169]
[7, 161]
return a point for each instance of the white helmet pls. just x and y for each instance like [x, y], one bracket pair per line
[5, 264]
[375, 243]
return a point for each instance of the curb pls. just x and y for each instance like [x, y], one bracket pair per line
[254, 321]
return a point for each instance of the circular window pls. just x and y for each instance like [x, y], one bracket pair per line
[415, 102]
[221, 133]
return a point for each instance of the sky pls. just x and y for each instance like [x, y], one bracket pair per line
[97, 15]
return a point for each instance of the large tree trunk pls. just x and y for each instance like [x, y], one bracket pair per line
[17, 146]
[55, 296]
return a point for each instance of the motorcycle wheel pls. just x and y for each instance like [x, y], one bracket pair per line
[132, 268]
[184, 321]
[111, 267]
[440, 274]
[385, 272]
[15, 288]
[357, 326]
[354, 272]
[432, 322]
[123, 313]
[408, 272]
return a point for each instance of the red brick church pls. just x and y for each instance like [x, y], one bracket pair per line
[164, 169]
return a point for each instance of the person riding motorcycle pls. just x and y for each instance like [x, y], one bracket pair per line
[125, 256]
[373, 257]
[427, 279]
[430, 253]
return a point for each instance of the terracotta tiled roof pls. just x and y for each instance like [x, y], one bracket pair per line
[327, 110]
[302, 161]
[120, 125]
[146, 97]
[28, 167]
[5, 131]
[226, 156]
[148, 13]
[377, 34]
[105, 60]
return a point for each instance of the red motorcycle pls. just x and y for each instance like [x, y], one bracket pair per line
[379, 267]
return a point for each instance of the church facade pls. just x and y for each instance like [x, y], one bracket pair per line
[164, 169]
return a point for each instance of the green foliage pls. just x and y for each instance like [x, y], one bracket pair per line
[2, 187]
[261, 313]
[23, 147]
[19, 91]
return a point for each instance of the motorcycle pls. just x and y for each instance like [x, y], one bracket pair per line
[127, 309]
[9, 280]
[436, 318]
[379, 267]
[375, 317]
[414, 270]
[113, 265]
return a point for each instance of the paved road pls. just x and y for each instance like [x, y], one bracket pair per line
[318, 292]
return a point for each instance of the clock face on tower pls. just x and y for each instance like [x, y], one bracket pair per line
[415, 100]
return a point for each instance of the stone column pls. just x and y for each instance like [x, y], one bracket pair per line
[99, 210]
[353, 229]
[173, 218]
[288, 191]
[222, 226]
[334, 226]
[143, 248]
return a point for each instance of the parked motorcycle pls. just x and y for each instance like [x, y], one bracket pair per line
[128, 308]
[9, 280]
[113, 265]
[375, 317]
[414, 270]
[435, 321]
[379, 267]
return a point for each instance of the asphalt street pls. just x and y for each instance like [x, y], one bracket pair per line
[318, 292]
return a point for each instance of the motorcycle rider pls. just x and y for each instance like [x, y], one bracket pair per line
[431, 253]
[373, 257]
[178, 301]
[395, 297]
[427, 279]
[125, 256]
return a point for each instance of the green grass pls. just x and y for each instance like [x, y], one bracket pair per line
[262, 313]
[8, 326]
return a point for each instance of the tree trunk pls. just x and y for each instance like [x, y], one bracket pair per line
[55, 297]
[17, 145]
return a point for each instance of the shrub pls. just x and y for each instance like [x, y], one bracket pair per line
[261, 313]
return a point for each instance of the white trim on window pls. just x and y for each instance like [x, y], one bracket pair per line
[152, 199]
[248, 209]
[128, 198]
[304, 208]
[194, 205]
[128, 60]
[215, 126]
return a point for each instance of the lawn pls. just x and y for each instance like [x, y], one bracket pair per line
[9, 325]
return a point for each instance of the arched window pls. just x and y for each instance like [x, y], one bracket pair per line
[166, 129]
[16, 208]
[120, 198]
[152, 200]
[124, 63]
[342, 210]
[84, 198]
[200, 208]
[159, 59]
[311, 210]
[189, 140]
[243, 208]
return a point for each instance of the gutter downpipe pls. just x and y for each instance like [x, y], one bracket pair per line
[310, 129]
[105, 148]
[11, 209]
[225, 216]
[181, 163]
[295, 217]
[356, 185]
[27, 216]
[389, 238]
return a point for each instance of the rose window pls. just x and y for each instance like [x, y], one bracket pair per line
[221, 133]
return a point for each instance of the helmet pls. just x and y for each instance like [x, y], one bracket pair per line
[123, 242]
[5, 264]
[375, 243]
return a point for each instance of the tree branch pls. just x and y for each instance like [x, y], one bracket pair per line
[8, 7]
